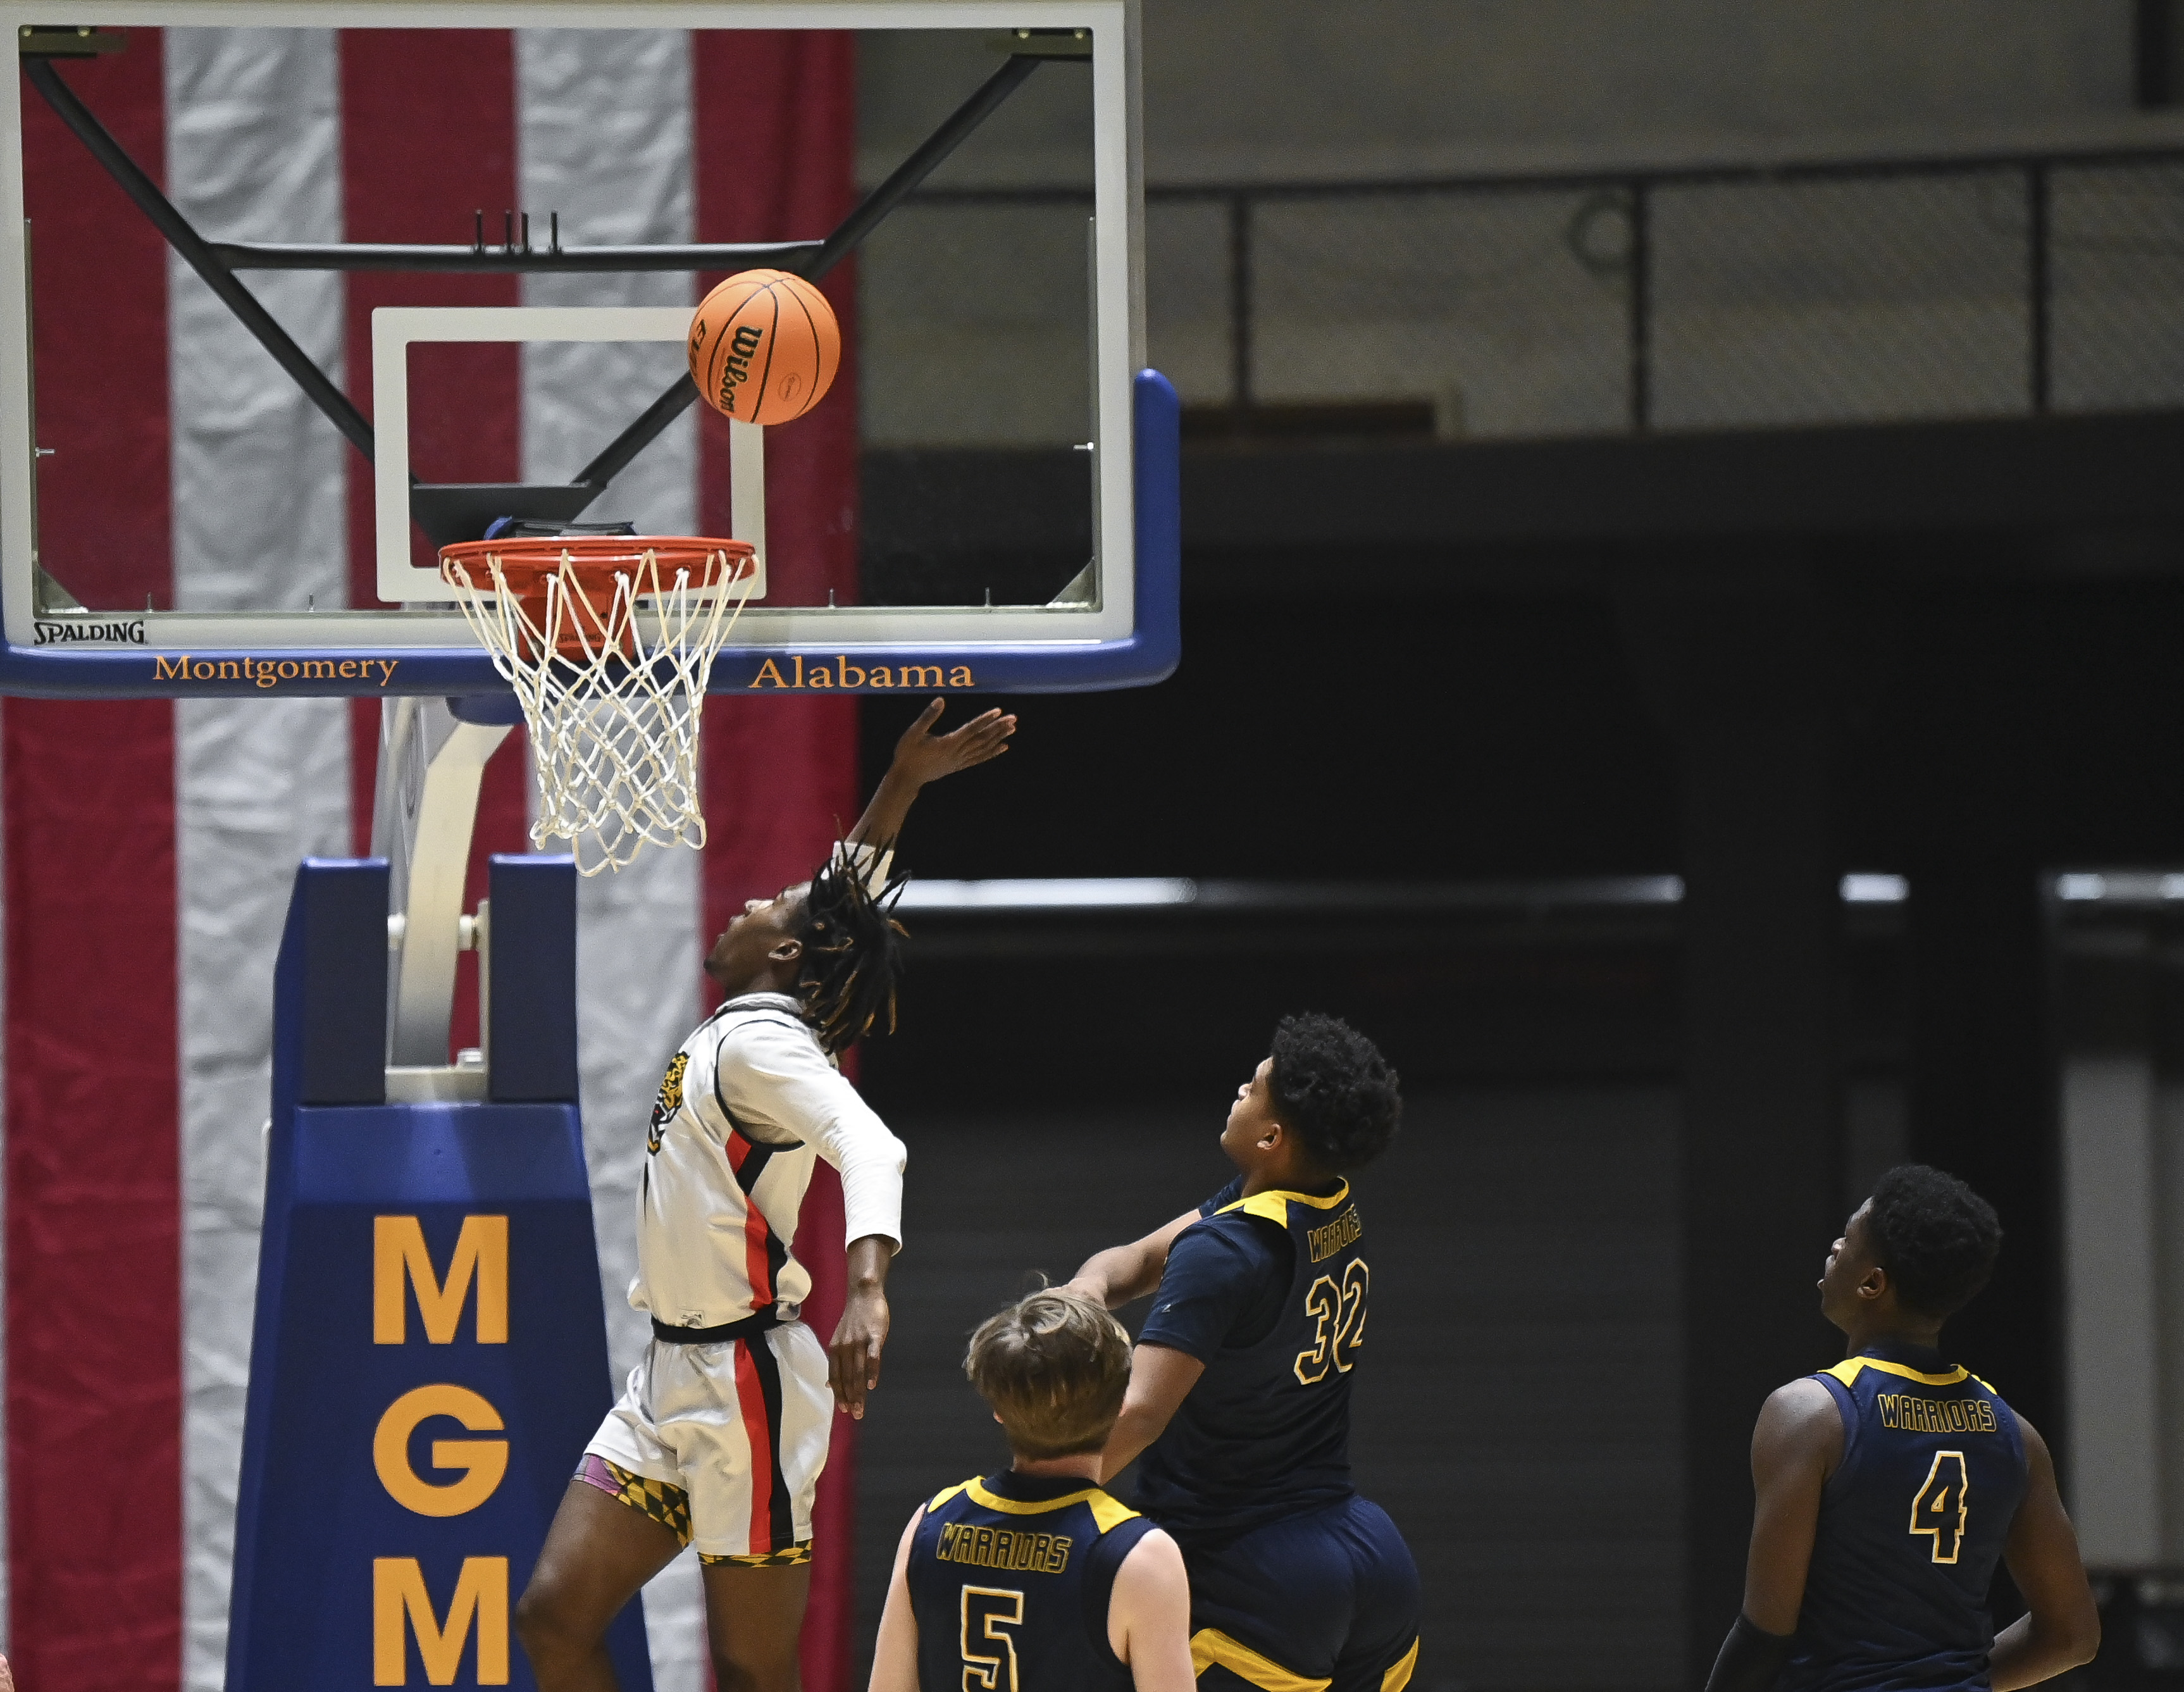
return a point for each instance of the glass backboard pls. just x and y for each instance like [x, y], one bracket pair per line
[356, 373]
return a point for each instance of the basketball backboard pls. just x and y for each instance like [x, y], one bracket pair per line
[996, 314]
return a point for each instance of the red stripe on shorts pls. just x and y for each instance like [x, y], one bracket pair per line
[750, 1398]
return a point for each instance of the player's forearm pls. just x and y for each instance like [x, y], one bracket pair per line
[881, 822]
[1161, 1379]
[1119, 1274]
[1134, 1429]
[895, 1656]
[869, 1259]
[2033, 1648]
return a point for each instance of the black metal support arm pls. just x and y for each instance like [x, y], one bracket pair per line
[929, 157]
[270, 255]
[199, 256]
[837, 247]
[449, 509]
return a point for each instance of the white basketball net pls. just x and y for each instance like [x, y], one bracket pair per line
[613, 727]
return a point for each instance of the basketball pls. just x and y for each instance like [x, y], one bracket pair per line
[763, 347]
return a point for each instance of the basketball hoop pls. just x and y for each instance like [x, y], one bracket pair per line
[608, 640]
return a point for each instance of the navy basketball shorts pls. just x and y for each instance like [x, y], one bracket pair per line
[1322, 1602]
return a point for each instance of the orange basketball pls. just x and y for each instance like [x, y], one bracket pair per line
[763, 347]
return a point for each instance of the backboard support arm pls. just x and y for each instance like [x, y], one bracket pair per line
[445, 511]
[521, 260]
[197, 254]
[867, 216]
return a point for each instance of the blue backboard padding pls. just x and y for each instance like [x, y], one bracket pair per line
[330, 985]
[439, 1154]
[497, 710]
[311, 1512]
[1148, 654]
[314, 1513]
[532, 1033]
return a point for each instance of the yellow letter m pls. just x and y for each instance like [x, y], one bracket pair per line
[399, 1255]
[398, 1595]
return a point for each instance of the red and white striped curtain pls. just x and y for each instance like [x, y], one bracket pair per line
[150, 844]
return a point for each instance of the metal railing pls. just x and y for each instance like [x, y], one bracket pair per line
[2018, 284]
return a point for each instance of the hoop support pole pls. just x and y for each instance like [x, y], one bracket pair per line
[439, 862]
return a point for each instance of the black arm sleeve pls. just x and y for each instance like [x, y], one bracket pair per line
[1751, 1657]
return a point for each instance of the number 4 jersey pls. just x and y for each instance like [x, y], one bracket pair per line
[1269, 1292]
[1912, 1524]
[1009, 1579]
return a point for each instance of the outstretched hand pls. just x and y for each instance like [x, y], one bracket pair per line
[922, 756]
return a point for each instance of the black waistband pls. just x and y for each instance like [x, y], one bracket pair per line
[743, 1329]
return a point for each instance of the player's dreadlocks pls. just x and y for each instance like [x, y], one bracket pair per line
[852, 953]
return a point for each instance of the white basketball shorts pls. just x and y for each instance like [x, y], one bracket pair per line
[723, 1443]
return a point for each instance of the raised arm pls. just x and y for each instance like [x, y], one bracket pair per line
[1120, 1273]
[2061, 1627]
[920, 756]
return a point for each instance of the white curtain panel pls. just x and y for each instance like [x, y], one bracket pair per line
[253, 152]
[603, 137]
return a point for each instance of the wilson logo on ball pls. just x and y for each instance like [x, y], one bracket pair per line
[763, 347]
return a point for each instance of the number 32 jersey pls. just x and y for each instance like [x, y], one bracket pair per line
[1912, 1525]
[1269, 1292]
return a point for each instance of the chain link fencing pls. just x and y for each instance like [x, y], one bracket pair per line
[1508, 309]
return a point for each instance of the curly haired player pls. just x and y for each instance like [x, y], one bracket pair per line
[1889, 1486]
[1240, 1384]
[720, 1438]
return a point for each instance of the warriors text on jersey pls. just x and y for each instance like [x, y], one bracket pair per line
[1912, 1524]
[1269, 1293]
[1010, 1579]
[744, 1107]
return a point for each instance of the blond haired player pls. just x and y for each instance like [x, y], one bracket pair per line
[719, 1439]
[1034, 1577]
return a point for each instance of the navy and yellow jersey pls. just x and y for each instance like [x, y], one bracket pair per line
[1269, 1293]
[1912, 1524]
[1009, 1580]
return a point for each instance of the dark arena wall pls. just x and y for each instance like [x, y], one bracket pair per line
[1567, 1251]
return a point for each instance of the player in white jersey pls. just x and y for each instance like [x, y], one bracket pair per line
[720, 1437]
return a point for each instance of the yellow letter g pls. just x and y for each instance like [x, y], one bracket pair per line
[485, 1461]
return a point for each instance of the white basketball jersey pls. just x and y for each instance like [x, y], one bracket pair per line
[746, 1104]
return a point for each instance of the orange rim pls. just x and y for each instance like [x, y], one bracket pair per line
[593, 563]
[594, 560]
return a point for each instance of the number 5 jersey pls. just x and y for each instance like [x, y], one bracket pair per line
[1010, 1579]
[1912, 1524]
